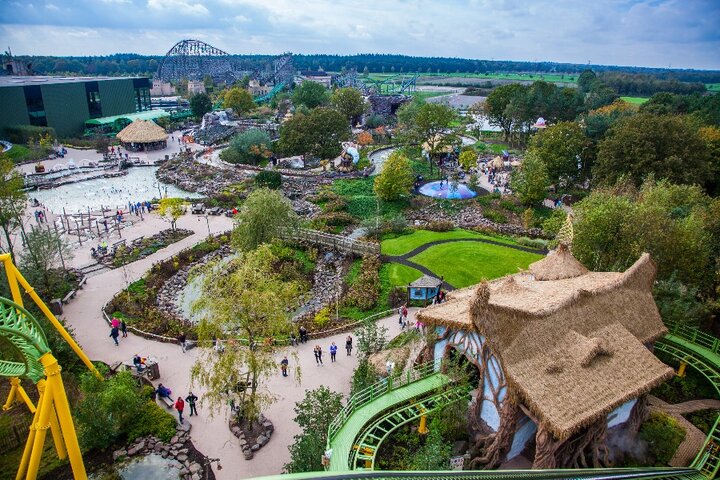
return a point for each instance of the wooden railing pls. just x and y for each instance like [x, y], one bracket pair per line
[336, 242]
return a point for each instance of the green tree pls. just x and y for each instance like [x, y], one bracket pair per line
[396, 178]
[244, 303]
[313, 414]
[496, 106]
[371, 338]
[679, 304]
[250, 147]
[531, 180]
[12, 201]
[668, 147]
[171, 209]
[585, 80]
[349, 102]
[468, 159]
[562, 148]
[310, 94]
[319, 133]
[200, 104]
[427, 123]
[263, 217]
[42, 262]
[433, 455]
[239, 100]
[364, 375]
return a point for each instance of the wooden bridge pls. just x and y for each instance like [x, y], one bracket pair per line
[336, 242]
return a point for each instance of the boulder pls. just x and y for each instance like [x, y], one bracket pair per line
[262, 440]
[195, 468]
[119, 453]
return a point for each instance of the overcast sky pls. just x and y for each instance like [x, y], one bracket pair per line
[662, 33]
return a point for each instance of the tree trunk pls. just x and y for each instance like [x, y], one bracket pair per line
[9, 242]
[546, 447]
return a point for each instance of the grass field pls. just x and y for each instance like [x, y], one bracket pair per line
[466, 263]
[548, 77]
[400, 275]
[426, 95]
[406, 243]
[635, 100]
[713, 87]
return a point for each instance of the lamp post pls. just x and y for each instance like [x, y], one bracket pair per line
[207, 221]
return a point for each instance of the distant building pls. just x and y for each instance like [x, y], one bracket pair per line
[161, 89]
[257, 90]
[65, 103]
[195, 86]
[317, 76]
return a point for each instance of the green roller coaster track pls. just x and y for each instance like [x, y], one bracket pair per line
[356, 434]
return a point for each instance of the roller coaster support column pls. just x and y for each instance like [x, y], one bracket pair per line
[14, 278]
[53, 402]
[422, 429]
[17, 389]
[681, 369]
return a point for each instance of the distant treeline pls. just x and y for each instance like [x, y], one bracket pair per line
[619, 77]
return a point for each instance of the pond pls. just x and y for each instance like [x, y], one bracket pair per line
[149, 467]
[138, 185]
[447, 190]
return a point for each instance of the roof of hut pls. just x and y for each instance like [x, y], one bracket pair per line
[426, 281]
[571, 341]
[142, 131]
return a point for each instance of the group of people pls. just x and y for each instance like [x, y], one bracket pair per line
[40, 216]
[179, 404]
[317, 350]
[139, 208]
[117, 326]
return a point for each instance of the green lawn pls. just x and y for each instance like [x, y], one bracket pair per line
[548, 77]
[406, 243]
[400, 275]
[18, 153]
[425, 95]
[713, 87]
[635, 100]
[467, 263]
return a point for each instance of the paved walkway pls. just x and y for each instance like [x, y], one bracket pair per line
[694, 437]
[210, 433]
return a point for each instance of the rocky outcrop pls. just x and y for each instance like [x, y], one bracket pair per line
[252, 441]
[468, 217]
[327, 283]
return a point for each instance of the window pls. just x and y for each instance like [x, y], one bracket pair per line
[142, 94]
[35, 105]
[92, 93]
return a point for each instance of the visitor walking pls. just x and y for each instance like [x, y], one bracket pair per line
[303, 334]
[115, 323]
[318, 355]
[284, 366]
[191, 399]
[114, 332]
[333, 352]
[182, 339]
[403, 311]
[180, 406]
[293, 340]
[123, 328]
[348, 345]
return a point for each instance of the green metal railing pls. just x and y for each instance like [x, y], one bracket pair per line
[368, 394]
[696, 336]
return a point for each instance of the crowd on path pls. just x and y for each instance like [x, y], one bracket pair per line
[317, 350]
[179, 404]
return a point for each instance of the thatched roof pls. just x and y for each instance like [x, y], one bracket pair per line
[426, 281]
[142, 131]
[572, 346]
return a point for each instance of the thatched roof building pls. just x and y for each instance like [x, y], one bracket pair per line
[143, 135]
[572, 343]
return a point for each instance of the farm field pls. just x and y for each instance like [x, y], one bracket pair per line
[635, 100]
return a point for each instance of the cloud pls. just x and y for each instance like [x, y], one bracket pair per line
[684, 33]
[51, 6]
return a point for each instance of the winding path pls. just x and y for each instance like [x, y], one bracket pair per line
[404, 259]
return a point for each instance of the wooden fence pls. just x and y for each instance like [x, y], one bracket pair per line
[336, 242]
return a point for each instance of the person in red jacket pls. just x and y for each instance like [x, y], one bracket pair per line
[180, 406]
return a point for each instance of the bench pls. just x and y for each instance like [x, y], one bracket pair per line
[167, 401]
[82, 281]
[66, 298]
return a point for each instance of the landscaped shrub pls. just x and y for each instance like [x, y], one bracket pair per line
[336, 219]
[363, 292]
[703, 419]
[152, 420]
[440, 226]
[537, 243]
[24, 133]
[494, 216]
[322, 318]
[364, 375]
[663, 436]
[268, 179]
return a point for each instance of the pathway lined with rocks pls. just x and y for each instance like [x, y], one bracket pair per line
[210, 433]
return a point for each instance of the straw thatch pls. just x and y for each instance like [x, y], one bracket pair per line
[572, 346]
[426, 281]
[142, 131]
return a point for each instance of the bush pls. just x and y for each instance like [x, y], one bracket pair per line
[536, 243]
[363, 376]
[322, 317]
[152, 420]
[494, 216]
[25, 133]
[440, 226]
[663, 436]
[268, 179]
[336, 219]
[364, 291]
[249, 147]
[374, 121]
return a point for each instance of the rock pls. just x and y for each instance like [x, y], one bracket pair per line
[141, 445]
[174, 439]
[132, 451]
[195, 476]
[184, 471]
[255, 447]
[164, 454]
[181, 457]
[459, 447]
[157, 448]
[173, 453]
[236, 431]
[119, 453]
[248, 454]
[195, 468]
[263, 440]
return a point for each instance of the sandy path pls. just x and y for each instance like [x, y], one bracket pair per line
[210, 434]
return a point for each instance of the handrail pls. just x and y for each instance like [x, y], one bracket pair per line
[370, 393]
[709, 452]
[695, 336]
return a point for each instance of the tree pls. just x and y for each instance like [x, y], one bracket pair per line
[585, 80]
[239, 100]
[668, 147]
[468, 159]
[396, 178]
[496, 105]
[250, 147]
[433, 455]
[427, 123]
[531, 180]
[12, 200]
[349, 102]
[319, 133]
[679, 304]
[43, 259]
[200, 104]
[313, 414]
[562, 147]
[371, 338]
[310, 94]
[171, 209]
[263, 217]
[244, 303]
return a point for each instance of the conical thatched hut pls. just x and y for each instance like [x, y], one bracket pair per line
[143, 135]
[564, 356]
